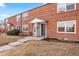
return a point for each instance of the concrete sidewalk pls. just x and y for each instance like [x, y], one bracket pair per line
[18, 42]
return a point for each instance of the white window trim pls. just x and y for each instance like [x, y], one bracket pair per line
[25, 14]
[18, 17]
[17, 27]
[65, 28]
[74, 29]
[65, 8]
[25, 28]
[57, 27]
[58, 8]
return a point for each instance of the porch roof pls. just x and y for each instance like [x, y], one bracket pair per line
[37, 20]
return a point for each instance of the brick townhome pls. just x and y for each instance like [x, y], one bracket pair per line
[19, 21]
[51, 20]
[2, 26]
[10, 23]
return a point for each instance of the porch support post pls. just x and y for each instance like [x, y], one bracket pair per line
[45, 29]
[35, 29]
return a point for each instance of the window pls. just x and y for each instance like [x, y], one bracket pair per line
[63, 7]
[70, 26]
[60, 7]
[24, 16]
[66, 26]
[24, 28]
[70, 6]
[18, 17]
[18, 27]
[61, 26]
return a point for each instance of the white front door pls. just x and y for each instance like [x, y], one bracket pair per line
[37, 29]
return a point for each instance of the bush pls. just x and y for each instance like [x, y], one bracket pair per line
[13, 32]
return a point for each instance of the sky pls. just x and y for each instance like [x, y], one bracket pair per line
[11, 9]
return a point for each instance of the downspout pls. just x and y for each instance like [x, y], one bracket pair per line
[5, 25]
[21, 24]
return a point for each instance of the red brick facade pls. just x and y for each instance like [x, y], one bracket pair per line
[11, 21]
[49, 13]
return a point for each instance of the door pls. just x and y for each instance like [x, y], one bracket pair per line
[37, 29]
[42, 29]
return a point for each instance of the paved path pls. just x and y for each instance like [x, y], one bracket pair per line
[18, 42]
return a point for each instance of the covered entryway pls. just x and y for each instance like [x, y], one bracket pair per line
[39, 27]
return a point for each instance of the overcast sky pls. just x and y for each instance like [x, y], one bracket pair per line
[10, 9]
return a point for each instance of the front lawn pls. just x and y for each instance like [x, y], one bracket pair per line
[44, 48]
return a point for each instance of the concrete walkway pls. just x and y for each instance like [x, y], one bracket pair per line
[18, 42]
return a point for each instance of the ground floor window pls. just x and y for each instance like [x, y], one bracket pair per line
[18, 27]
[70, 26]
[24, 28]
[61, 26]
[66, 26]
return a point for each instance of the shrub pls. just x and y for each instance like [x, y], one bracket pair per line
[13, 32]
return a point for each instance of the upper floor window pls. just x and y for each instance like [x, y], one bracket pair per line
[18, 17]
[25, 15]
[63, 7]
[70, 6]
[60, 7]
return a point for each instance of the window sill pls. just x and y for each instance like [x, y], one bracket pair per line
[66, 11]
[70, 32]
[70, 10]
[67, 32]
